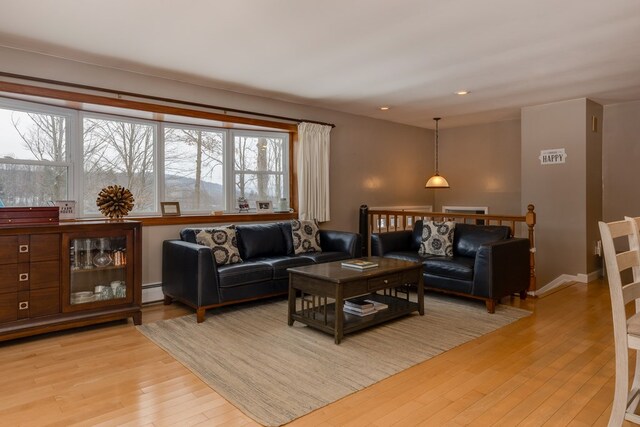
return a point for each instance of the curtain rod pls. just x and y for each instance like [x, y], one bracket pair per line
[156, 98]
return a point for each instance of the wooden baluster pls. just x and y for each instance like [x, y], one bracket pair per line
[530, 219]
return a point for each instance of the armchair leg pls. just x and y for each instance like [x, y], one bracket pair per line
[200, 315]
[491, 305]
[523, 294]
[167, 300]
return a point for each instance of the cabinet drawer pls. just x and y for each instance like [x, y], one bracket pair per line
[388, 281]
[8, 249]
[43, 302]
[44, 274]
[44, 247]
[8, 278]
[9, 307]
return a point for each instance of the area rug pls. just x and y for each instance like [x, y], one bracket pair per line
[275, 373]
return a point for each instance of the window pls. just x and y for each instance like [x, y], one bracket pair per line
[35, 165]
[194, 168]
[259, 167]
[50, 153]
[119, 152]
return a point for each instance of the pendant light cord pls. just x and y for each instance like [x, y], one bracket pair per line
[436, 119]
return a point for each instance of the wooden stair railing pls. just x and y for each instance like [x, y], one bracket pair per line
[383, 221]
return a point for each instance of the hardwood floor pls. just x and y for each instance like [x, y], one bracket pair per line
[553, 368]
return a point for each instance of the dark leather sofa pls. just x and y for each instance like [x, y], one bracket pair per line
[190, 274]
[486, 264]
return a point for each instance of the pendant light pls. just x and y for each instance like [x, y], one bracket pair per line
[437, 181]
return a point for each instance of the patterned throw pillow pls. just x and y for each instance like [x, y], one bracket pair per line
[306, 236]
[223, 244]
[437, 238]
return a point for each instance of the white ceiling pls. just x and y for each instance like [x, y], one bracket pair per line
[356, 55]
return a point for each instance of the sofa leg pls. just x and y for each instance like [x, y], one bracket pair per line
[523, 295]
[167, 300]
[491, 305]
[200, 315]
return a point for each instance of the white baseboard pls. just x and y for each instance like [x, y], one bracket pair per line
[565, 279]
[152, 293]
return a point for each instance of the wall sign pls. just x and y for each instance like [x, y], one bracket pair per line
[552, 157]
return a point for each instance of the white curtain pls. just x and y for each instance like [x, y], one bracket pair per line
[313, 171]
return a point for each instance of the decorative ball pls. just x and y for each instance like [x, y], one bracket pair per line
[115, 201]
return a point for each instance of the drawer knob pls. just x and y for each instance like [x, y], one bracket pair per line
[23, 249]
[386, 281]
[23, 305]
[23, 277]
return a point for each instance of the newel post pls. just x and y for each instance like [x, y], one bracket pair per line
[364, 229]
[530, 219]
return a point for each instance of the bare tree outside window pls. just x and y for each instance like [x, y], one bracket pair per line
[34, 158]
[194, 168]
[258, 166]
[119, 152]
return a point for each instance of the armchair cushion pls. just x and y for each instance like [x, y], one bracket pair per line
[437, 238]
[223, 244]
[469, 237]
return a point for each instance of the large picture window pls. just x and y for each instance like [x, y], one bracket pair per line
[50, 153]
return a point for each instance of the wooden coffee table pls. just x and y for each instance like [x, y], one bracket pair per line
[324, 287]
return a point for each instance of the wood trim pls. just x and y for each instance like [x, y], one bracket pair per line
[138, 105]
[203, 219]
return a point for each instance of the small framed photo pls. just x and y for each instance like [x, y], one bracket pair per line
[264, 206]
[170, 208]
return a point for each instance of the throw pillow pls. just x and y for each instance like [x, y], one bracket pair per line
[306, 236]
[437, 238]
[223, 244]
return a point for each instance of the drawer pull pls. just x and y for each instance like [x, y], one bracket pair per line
[23, 277]
[23, 249]
[23, 305]
[386, 282]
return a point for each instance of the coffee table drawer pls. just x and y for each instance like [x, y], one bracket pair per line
[384, 282]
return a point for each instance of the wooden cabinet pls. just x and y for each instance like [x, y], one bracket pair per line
[73, 274]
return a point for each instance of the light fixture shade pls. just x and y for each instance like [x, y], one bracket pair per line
[437, 181]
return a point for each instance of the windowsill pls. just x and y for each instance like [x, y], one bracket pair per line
[213, 219]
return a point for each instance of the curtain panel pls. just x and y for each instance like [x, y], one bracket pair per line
[313, 172]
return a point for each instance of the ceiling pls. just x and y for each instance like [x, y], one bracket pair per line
[356, 55]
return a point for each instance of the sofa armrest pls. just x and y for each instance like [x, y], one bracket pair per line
[189, 273]
[393, 241]
[341, 241]
[501, 268]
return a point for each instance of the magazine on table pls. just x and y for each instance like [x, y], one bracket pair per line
[359, 264]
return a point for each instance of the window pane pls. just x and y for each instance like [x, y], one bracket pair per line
[33, 136]
[119, 152]
[32, 185]
[258, 153]
[260, 187]
[194, 169]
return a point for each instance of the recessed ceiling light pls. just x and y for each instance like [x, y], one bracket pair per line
[462, 92]
[384, 108]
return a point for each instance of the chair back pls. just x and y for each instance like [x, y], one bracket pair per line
[616, 263]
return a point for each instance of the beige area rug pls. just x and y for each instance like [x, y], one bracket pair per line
[275, 373]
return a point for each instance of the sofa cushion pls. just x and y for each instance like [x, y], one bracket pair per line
[454, 267]
[327, 256]
[223, 244]
[260, 240]
[406, 256]
[241, 274]
[469, 237]
[437, 238]
[189, 234]
[281, 263]
[416, 235]
[306, 236]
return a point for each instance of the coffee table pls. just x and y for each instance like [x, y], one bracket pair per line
[323, 288]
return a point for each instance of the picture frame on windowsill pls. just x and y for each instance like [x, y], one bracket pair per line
[170, 208]
[264, 206]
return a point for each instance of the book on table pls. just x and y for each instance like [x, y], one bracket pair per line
[377, 304]
[358, 312]
[360, 264]
[359, 303]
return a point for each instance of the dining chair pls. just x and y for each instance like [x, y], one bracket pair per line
[626, 330]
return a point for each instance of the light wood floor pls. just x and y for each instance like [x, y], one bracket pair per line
[553, 368]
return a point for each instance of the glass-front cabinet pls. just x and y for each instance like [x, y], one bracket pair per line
[98, 269]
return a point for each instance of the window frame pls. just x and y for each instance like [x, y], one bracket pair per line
[75, 106]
